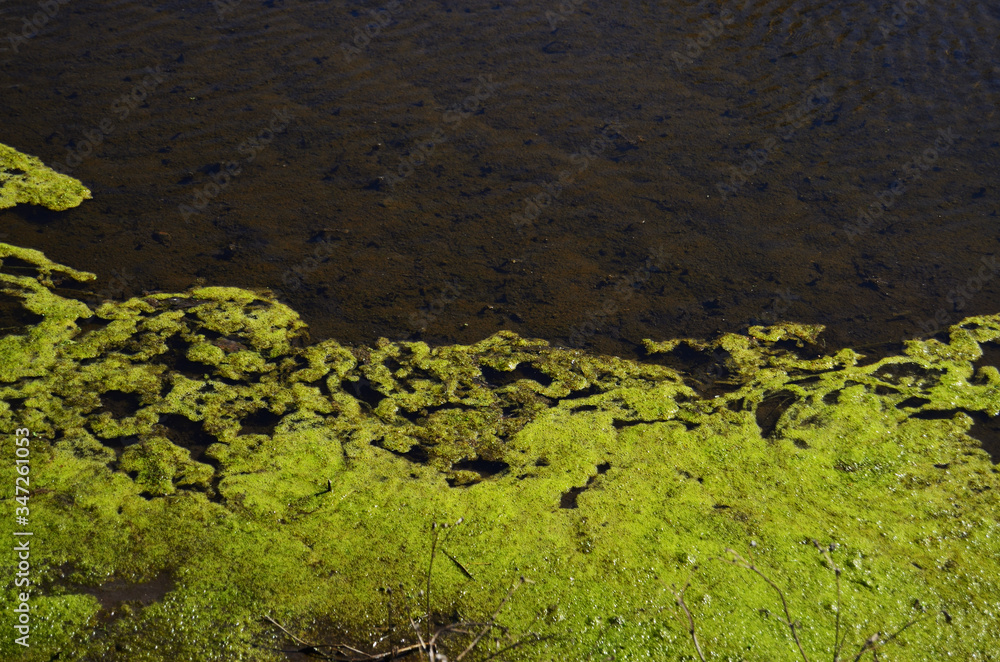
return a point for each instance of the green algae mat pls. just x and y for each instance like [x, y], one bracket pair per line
[206, 484]
[26, 180]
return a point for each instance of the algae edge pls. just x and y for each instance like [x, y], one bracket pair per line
[25, 179]
[197, 442]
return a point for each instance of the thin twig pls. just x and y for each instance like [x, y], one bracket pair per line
[456, 562]
[837, 641]
[359, 655]
[788, 618]
[873, 643]
[417, 630]
[517, 643]
[274, 622]
[489, 624]
[430, 567]
[679, 597]
[428, 646]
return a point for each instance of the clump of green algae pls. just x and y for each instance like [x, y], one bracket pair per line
[26, 180]
[200, 434]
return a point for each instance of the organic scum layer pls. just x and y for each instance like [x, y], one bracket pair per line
[197, 441]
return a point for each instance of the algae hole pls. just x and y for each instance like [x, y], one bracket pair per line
[593, 389]
[485, 468]
[689, 476]
[913, 403]
[118, 445]
[362, 390]
[986, 430]
[770, 410]
[261, 421]
[15, 403]
[416, 453]
[116, 594]
[176, 359]
[502, 378]
[19, 267]
[93, 324]
[470, 472]
[120, 404]
[568, 500]
[935, 414]
[991, 356]
[896, 373]
[187, 434]
[706, 372]
[14, 317]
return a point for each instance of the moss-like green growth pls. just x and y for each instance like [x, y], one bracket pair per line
[201, 435]
[26, 180]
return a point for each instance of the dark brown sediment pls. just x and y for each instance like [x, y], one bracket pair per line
[648, 106]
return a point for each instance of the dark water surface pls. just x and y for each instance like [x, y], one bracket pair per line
[570, 172]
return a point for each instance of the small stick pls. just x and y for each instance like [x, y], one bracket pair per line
[873, 642]
[837, 641]
[430, 567]
[460, 566]
[489, 624]
[680, 601]
[417, 630]
[516, 644]
[788, 618]
[274, 622]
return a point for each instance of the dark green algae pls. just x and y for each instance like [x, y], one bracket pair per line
[199, 435]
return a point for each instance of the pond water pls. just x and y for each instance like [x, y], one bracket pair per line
[588, 173]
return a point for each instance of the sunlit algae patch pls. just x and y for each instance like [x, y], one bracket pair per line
[26, 180]
[271, 487]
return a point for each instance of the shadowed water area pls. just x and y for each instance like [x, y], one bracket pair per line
[589, 173]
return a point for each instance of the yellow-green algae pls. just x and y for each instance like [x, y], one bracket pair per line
[24, 179]
[201, 435]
